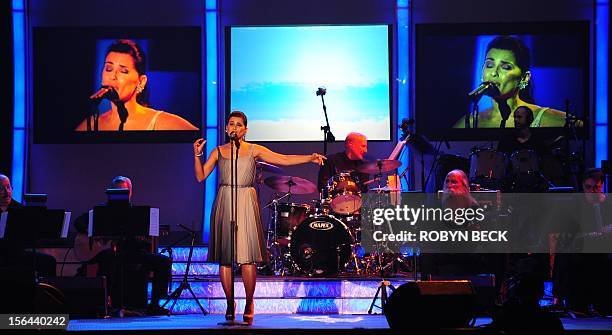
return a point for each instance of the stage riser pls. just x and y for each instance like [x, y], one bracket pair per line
[196, 269]
[181, 254]
[280, 306]
[284, 289]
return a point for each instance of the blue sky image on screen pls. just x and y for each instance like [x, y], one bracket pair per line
[275, 73]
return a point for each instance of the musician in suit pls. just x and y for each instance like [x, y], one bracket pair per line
[137, 251]
[13, 252]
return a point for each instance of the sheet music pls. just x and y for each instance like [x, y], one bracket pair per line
[90, 224]
[66, 224]
[154, 222]
[3, 218]
[396, 151]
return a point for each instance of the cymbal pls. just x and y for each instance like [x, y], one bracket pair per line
[295, 185]
[267, 167]
[379, 165]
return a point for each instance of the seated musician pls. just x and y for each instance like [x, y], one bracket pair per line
[13, 253]
[137, 251]
[581, 278]
[355, 146]
[456, 193]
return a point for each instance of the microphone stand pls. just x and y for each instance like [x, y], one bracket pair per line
[95, 113]
[474, 112]
[575, 163]
[233, 228]
[327, 134]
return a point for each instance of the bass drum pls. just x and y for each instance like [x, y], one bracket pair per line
[320, 246]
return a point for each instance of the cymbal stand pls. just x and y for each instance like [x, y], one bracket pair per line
[382, 287]
[272, 237]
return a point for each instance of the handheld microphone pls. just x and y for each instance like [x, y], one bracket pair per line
[234, 138]
[106, 92]
[321, 91]
[486, 88]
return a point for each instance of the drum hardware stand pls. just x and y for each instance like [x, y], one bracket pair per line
[382, 287]
[185, 282]
[276, 259]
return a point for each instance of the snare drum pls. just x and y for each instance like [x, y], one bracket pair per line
[321, 245]
[344, 193]
[288, 216]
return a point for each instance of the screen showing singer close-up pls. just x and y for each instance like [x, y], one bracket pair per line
[126, 85]
[496, 68]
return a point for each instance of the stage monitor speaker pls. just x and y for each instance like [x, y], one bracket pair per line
[84, 297]
[431, 305]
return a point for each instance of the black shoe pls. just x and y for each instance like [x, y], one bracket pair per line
[157, 310]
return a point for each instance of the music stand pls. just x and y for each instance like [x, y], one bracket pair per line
[23, 227]
[176, 294]
[119, 220]
[422, 145]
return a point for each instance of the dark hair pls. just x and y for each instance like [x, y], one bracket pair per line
[238, 114]
[140, 63]
[593, 173]
[523, 60]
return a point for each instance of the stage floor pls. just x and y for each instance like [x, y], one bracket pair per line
[287, 324]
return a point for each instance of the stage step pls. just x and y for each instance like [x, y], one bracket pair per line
[273, 295]
[199, 266]
[280, 306]
[278, 295]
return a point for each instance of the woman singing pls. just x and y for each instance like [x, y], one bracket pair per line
[250, 243]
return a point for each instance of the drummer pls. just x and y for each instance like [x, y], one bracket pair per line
[521, 138]
[355, 146]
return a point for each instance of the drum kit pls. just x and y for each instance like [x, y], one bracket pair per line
[520, 171]
[322, 238]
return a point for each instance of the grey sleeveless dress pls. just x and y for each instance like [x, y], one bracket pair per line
[250, 243]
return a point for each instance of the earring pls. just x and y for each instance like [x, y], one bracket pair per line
[138, 89]
[522, 84]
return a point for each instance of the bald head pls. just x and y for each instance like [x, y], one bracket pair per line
[355, 146]
[6, 191]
